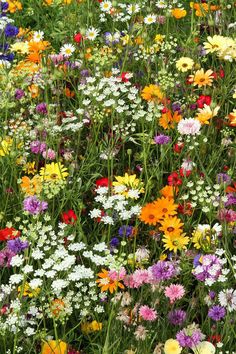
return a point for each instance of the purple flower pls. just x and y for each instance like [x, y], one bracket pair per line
[34, 206]
[114, 242]
[177, 317]
[37, 147]
[17, 245]
[6, 257]
[19, 94]
[42, 108]
[163, 270]
[209, 269]
[223, 178]
[231, 199]
[216, 312]
[162, 139]
[176, 107]
[190, 336]
[125, 230]
[11, 31]
[212, 295]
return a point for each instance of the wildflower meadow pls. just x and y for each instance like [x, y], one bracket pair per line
[118, 177]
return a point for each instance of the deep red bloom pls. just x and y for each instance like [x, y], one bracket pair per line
[9, 233]
[103, 182]
[221, 73]
[124, 77]
[185, 209]
[174, 180]
[78, 37]
[69, 217]
[184, 173]
[178, 147]
[214, 339]
[203, 100]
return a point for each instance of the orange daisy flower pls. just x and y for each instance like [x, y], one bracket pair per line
[201, 78]
[165, 206]
[168, 120]
[171, 225]
[150, 215]
[152, 93]
[169, 191]
[106, 283]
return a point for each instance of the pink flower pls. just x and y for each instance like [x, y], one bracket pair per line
[189, 126]
[147, 313]
[114, 275]
[49, 154]
[174, 292]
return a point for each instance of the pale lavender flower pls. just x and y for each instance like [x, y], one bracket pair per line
[190, 336]
[34, 206]
[37, 147]
[162, 139]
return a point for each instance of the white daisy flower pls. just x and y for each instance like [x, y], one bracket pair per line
[38, 36]
[149, 19]
[92, 33]
[67, 50]
[105, 6]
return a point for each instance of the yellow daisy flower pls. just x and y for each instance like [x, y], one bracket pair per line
[53, 172]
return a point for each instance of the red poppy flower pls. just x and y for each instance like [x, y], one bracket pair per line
[202, 100]
[69, 217]
[78, 37]
[174, 180]
[103, 182]
[9, 233]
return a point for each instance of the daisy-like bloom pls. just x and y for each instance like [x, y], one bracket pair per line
[105, 6]
[184, 64]
[20, 47]
[214, 43]
[201, 78]
[38, 36]
[172, 347]
[171, 225]
[127, 184]
[169, 119]
[133, 9]
[175, 242]
[204, 347]
[92, 33]
[189, 126]
[28, 291]
[206, 113]
[53, 172]
[150, 215]
[174, 292]
[67, 50]
[149, 19]
[147, 313]
[165, 206]
[152, 93]
[54, 347]
[107, 283]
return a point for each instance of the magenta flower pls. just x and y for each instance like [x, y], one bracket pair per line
[147, 313]
[174, 292]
